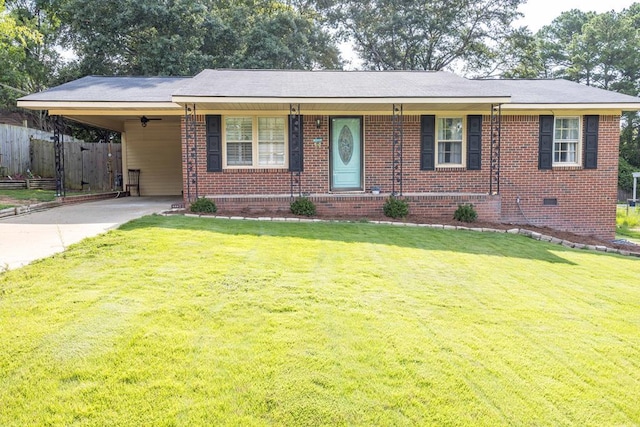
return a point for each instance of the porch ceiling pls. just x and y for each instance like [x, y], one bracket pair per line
[117, 122]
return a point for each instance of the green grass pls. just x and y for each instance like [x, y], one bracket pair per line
[188, 321]
[2, 206]
[37, 195]
[628, 223]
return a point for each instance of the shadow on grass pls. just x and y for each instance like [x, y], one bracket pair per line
[460, 241]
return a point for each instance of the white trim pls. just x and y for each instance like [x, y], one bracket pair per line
[88, 105]
[463, 154]
[255, 152]
[578, 161]
[584, 106]
[346, 100]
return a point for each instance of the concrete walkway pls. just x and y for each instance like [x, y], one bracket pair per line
[26, 238]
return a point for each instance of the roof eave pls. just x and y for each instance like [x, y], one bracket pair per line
[185, 99]
[96, 105]
[617, 106]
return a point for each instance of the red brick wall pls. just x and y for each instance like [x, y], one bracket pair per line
[586, 198]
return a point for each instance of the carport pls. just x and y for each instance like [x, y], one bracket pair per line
[140, 109]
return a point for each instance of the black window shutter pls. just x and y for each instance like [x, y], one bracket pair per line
[296, 158]
[545, 149]
[591, 141]
[214, 143]
[427, 142]
[474, 142]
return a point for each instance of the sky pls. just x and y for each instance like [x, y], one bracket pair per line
[538, 13]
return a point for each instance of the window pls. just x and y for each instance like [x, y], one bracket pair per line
[239, 145]
[255, 141]
[449, 141]
[271, 141]
[566, 140]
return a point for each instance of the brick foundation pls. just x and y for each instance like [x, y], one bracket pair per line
[363, 205]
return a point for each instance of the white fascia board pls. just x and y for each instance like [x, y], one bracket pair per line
[97, 105]
[612, 106]
[274, 100]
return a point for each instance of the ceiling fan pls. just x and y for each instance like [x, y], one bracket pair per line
[144, 120]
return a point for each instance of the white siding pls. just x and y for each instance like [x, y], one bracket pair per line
[156, 151]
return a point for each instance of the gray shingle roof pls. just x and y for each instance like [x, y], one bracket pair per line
[555, 92]
[334, 84]
[113, 89]
[325, 84]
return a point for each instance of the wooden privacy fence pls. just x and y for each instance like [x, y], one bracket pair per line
[14, 147]
[95, 165]
[23, 149]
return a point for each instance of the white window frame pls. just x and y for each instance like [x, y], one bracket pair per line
[578, 143]
[255, 153]
[463, 143]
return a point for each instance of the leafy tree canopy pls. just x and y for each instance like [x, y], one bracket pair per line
[422, 35]
[181, 37]
[17, 41]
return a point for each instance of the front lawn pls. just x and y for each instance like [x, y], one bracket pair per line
[188, 321]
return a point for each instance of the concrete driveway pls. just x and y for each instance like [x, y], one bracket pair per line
[26, 238]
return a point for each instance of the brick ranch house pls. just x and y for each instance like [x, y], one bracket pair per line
[540, 152]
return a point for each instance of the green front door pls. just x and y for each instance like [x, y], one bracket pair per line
[346, 153]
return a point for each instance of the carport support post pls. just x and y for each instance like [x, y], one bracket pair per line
[496, 137]
[191, 142]
[58, 151]
[295, 140]
[397, 123]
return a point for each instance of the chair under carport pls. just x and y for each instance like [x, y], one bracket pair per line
[133, 181]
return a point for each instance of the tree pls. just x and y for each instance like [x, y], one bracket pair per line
[607, 45]
[133, 37]
[422, 35]
[285, 39]
[39, 61]
[16, 41]
[517, 57]
[181, 37]
[555, 39]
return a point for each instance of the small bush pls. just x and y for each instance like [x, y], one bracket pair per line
[465, 213]
[395, 208]
[303, 206]
[203, 205]
[625, 177]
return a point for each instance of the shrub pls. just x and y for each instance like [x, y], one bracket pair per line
[465, 213]
[303, 206]
[203, 205]
[625, 177]
[395, 208]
